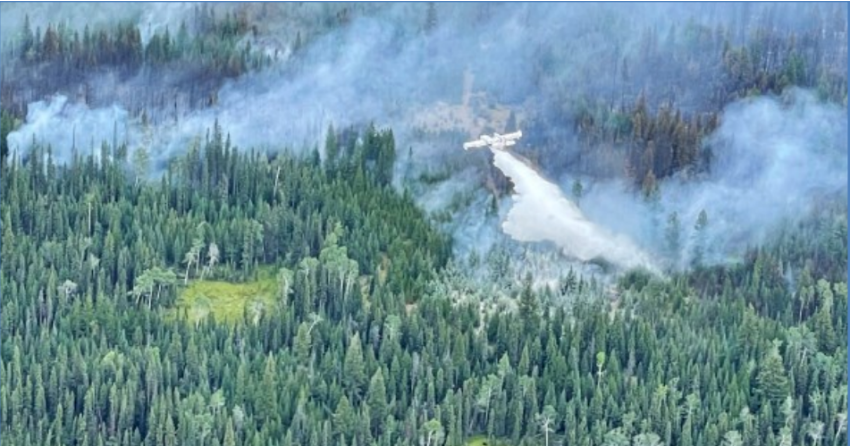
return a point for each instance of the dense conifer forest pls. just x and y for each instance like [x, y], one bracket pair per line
[229, 295]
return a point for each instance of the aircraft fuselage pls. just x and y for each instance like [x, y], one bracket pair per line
[497, 141]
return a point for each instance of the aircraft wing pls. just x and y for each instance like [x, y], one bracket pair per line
[511, 136]
[474, 144]
[496, 141]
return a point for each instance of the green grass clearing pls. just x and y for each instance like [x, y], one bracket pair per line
[227, 301]
[481, 440]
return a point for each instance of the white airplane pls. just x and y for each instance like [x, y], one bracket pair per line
[497, 141]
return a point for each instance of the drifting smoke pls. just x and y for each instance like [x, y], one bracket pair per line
[541, 213]
[771, 159]
[67, 128]
[151, 17]
[389, 62]
[163, 17]
[774, 159]
[386, 64]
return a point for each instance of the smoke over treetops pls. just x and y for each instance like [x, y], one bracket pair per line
[429, 70]
[67, 127]
[773, 160]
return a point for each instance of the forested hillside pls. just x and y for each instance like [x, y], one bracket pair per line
[90, 356]
[184, 288]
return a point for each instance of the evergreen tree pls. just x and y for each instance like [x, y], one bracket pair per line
[430, 18]
[528, 305]
[345, 419]
[354, 370]
[577, 191]
[772, 382]
[700, 234]
[673, 236]
[511, 124]
[377, 402]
